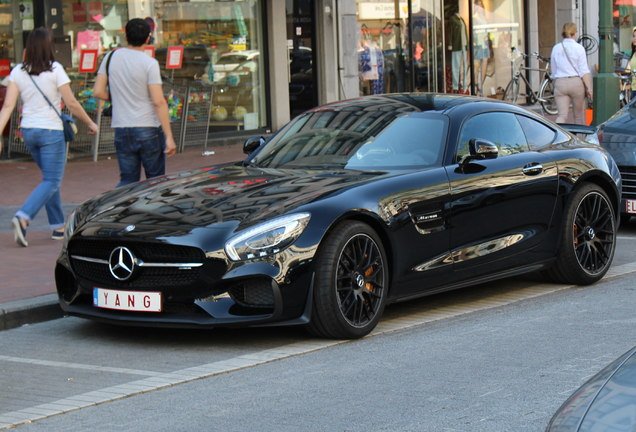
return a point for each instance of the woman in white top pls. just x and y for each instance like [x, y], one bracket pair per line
[571, 74]
[42, 128]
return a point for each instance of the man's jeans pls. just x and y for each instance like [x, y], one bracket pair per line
[136, 147]
[48, 149]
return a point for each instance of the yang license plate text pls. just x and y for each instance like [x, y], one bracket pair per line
[138, 301]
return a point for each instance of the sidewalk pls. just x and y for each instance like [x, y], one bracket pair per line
[27, 285]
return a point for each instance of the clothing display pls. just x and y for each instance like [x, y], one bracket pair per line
[371, 66]
[458, 45]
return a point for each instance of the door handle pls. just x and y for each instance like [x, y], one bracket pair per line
[532, 169]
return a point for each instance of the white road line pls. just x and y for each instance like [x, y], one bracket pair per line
[78, 366]
[159, 381]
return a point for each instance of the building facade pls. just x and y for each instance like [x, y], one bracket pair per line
[256, 63]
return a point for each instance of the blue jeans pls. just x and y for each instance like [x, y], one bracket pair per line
[48, 149]
[140, 146]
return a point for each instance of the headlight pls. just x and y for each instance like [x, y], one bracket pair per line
[69, 227]
[267, 238]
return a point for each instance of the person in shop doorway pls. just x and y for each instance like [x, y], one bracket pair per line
[42, 84]
[131, 80]
[458, 45]
[571, 74]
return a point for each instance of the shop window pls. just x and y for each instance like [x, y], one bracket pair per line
[222, 45]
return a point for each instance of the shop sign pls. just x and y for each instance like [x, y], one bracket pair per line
[380, 10]
[174, 59]
[5, 67]
[88, 61]
[239, 43]
[95, 11]
[149, 50]
[88, 40]
[79, 13]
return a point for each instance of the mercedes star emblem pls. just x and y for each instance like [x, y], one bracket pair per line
[121, 263]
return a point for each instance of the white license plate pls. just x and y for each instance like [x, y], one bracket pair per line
[631, 206]
[138, 301]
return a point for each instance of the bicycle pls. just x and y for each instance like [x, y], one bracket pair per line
[625, 94]
[545, 95]
[621, 67]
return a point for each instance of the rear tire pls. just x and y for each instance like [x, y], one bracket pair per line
[588, 238]
[546, 97]
[351, 283]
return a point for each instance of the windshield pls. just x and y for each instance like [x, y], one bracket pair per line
[374, 140]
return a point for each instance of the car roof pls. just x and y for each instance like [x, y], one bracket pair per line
[422, 102]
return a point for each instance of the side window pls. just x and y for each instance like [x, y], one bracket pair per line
[501, 128]
[537, 134]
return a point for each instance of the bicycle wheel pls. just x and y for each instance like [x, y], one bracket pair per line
[625, 95]
[546, 97]
[511, 94]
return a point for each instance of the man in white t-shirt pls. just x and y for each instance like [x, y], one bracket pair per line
[140, 113]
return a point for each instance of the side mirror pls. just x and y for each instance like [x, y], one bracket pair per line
[252, 144]
[481, 149]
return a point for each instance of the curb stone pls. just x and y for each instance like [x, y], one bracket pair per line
[30, 311]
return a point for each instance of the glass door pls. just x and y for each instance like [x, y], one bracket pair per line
[303, 88]
[427, 41]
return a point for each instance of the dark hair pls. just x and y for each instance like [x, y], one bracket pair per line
[633, 46]
[38, 56]
[137, 32]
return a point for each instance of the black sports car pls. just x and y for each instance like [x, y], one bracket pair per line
[618, 136]
[349, 207]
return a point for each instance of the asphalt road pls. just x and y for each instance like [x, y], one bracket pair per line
[500, 357]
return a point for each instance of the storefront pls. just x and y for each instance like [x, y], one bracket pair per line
[438, 45]
[624, 23]
[211, 53]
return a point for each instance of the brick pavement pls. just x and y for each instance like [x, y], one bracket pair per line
[27, 273]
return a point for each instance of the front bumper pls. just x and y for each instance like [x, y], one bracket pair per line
[217, 294]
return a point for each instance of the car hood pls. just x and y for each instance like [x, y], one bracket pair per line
[209, 197]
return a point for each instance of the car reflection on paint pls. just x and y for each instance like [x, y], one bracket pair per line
[606, 402]
[349, 207]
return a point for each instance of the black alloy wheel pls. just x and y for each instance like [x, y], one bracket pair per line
[351, 283]
[588, 238]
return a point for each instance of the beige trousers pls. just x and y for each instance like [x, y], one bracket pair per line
[566, 90]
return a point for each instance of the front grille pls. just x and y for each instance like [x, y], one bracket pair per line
[144, 278]
[629, 181]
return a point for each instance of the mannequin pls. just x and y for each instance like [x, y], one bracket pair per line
[371, 66]
[481, 51]
[458, 45]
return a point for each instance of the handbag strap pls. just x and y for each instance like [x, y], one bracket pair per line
[45, 98]
[573, 67]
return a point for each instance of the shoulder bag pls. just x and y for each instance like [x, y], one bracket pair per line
[108, 111]
[70, 128]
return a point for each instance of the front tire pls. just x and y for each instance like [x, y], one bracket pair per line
[511, 94]
[588, 238]
[351, 283]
